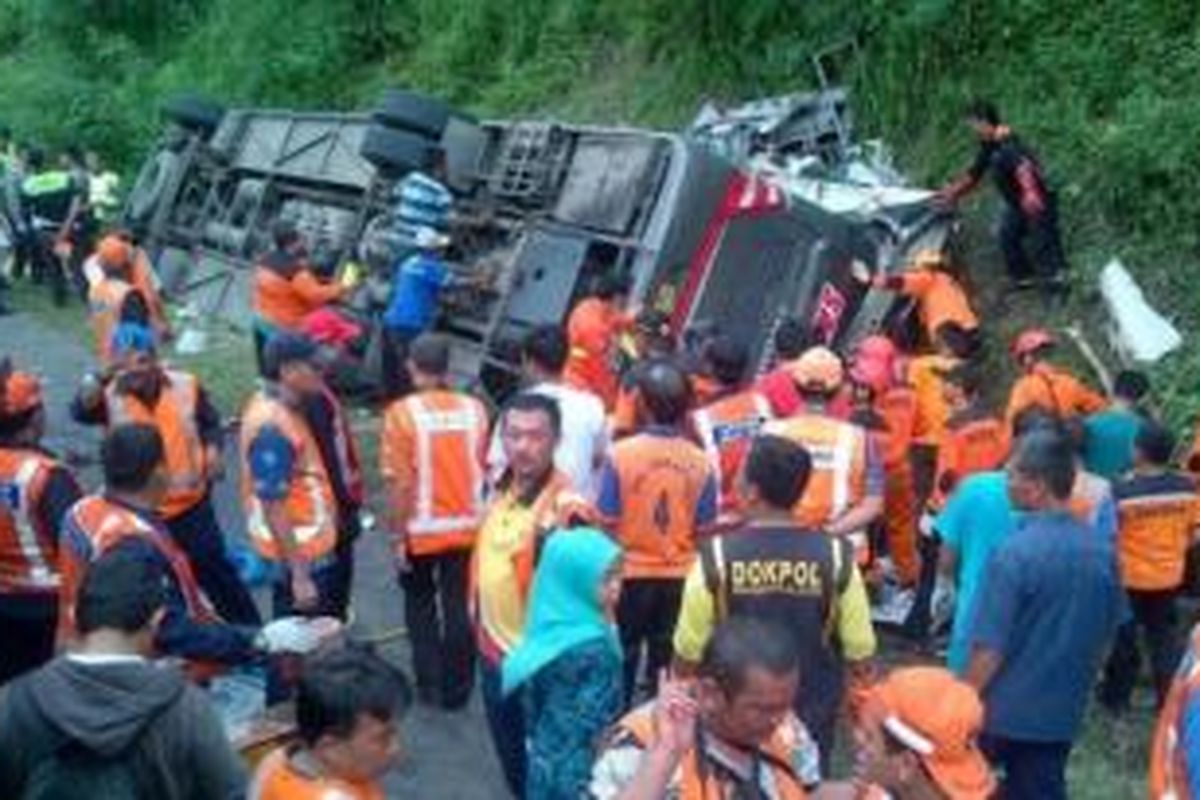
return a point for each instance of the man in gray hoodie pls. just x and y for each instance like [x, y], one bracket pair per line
[106, 716]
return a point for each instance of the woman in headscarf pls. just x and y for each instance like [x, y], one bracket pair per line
[569, 666]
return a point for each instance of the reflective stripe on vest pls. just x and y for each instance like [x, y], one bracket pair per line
[429, 422]
[187, 483]
[38, 574]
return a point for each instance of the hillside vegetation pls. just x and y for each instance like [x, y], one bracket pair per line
[1105, 90]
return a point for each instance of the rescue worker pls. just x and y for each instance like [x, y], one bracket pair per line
[876, 366]
[286, 288]
[940, 298]
[141, 389]
[974, 440]
[418, 282]
[531, 499]
[113, 299]
[432, 460]
[1175, 752]
[135, 484]
[583, 447]
[36, 490]
[658, 494]
[286, 491]
[790, 340]
[726, 425]
[592, 332]
[924, 373]
[52, 200]
[844, 496]
[1158, 511]
[653, 341]
[917, 739]
[730, 733]
[1046, 385]
[772, 569]
[1030, 204]
[139, 273]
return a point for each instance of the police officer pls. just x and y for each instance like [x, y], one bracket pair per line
[778, 571]
[53, 200]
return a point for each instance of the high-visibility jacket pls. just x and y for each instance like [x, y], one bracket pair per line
[838, 451]
[932, 411]
[1055, 390]
[726, 428]
[309, 505]
[28, 561]
[592, 331]
[661, 482]
[940, 299]
[278, 779]
[700, 779]
[284, 300]
[105, 301]
[1170, 762]
[1157, 515]
[174, 417]
[94, 526]
[505, 555]
[434, 445]
[974, 442]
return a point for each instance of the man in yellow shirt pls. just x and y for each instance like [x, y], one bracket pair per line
[771, 569]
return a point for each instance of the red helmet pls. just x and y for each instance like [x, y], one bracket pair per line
[874, 373]
[1030, 341]
[876, 348]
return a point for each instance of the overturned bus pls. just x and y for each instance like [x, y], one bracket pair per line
[543, 207]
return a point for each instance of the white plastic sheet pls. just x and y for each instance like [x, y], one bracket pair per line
[1137, 332]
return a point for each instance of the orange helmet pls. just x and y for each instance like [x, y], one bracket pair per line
[114, 252]
[818, 370]
[20, 392]
[1030, 341]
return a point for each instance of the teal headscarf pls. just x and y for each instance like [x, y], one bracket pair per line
[564, 605]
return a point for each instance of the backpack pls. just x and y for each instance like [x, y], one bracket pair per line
[64, 769]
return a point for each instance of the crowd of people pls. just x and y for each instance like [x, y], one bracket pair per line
[669, 572]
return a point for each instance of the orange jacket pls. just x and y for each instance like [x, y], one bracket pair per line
[105, 300]
[285, 302]
[940, 299]
[174, 417]
[839, 465]
[657, 495]
[434, 445]
[932, 411]
[592, 331]
[28, 552]
[309, 504]
[898, 408]
[698, 781]
[726, 428]
[1054, 390]
[973, 442]
[1157, 517]
[1169, 759]
[278, 779]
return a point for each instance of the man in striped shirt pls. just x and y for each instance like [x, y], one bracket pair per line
[422, 199]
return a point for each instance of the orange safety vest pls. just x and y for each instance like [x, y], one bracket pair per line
[698, 780]
[95, 525]
[1154, 533]
[174, 417]
[105, 300]
[661, 480]
[726, 429]
[976, 445]
[278, 779]
[1168, 759]
[839, 465]
[1054, 390]
[592, 330]
[436, 440]
[309, 504]
[28, 563]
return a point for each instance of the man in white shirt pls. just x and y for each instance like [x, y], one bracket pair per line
[583, 446]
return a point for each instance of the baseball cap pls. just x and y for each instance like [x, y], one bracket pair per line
[429, 239]
[818, 369]
[938, 717]
[20, 392]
